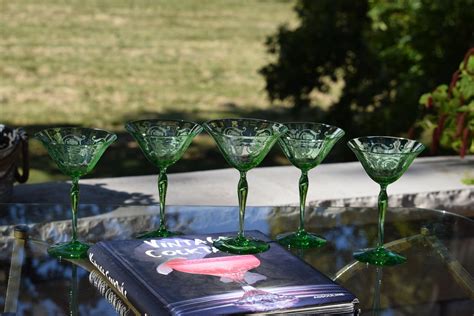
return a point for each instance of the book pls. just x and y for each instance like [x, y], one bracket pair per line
[186, 275]
[107, 291]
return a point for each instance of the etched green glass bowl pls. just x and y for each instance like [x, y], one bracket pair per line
[76, 151]
[244, 143]
[163, 142]
[306, 144]
[385, 159]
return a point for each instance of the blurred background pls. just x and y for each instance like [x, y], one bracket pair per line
[369, 67]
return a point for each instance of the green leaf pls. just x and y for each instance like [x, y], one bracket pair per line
[470, 124]
[441, 92]
[466, 86]
[470, 64]
[456, 144]
[424, 98]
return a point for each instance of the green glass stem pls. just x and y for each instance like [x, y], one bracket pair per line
[162, 187]
[377, 287]
[383, 202]
[73, 306]
[301, 239]
[242, 192]
[385, 159]
[303, 185]
[74, 203]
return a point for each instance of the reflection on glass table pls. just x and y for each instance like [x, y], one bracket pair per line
[435, 280]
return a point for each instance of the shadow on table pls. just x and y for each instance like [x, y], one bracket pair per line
[39, 206]
[58, 192]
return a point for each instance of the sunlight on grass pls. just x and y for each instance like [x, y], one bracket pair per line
[102, 63]
[37, 176]
[99, 63]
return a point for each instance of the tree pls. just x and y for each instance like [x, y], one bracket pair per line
[389, 53]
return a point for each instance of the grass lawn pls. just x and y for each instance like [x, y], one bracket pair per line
[102, 63]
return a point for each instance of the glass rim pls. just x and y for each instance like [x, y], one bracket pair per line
[336, 131]
[112, 136]
[129, 126]
[419, 150]
[207, 127]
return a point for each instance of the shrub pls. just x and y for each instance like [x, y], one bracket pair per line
[450, 110]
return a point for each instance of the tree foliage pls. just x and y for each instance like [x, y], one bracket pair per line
[388, 51]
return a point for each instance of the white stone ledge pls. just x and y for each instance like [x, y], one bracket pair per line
[433, 182]
[458, 201]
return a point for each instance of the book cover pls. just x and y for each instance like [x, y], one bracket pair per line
[186, 275]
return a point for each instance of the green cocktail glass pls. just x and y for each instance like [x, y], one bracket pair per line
[163, 142]
[243, 143]
[385, 159]
[76, 151]
[306, 145]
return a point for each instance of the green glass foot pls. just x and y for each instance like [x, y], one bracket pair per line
[241, 245]
[160, 233]
[301, 240]
[69, 250]
[379, 256]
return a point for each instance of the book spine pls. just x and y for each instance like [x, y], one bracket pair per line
[125, 284]
[110, 294]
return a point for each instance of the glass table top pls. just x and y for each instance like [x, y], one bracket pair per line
[437, 278]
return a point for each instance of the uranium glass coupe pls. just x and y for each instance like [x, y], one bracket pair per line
[76, 151]
[243, 143]
[163, 143]
[385, 159]
[306, 145]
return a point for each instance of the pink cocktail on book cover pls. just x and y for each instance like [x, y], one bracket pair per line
[233, 269]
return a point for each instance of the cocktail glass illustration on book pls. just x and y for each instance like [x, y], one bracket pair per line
[76, 151]
[385, 159]
[233, 269]
[163, 142]
[243, 143]
[306, 145]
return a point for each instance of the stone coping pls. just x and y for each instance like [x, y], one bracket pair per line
[432, 182]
